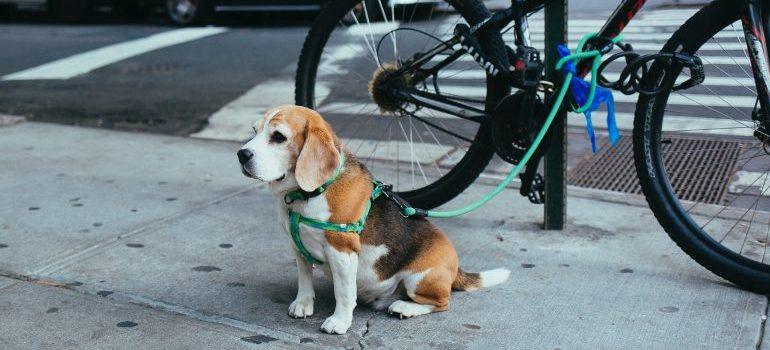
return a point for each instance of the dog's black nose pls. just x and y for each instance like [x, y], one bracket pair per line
[244, 156]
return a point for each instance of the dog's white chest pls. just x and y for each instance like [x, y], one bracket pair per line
[312, 238]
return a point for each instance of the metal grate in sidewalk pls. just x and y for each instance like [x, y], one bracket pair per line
[699, 168]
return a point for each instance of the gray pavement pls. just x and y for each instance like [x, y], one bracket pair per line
[114, 240]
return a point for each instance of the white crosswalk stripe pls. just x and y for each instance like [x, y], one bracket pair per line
[85, 62]
[424, 153]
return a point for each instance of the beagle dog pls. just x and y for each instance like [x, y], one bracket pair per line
[406, 265]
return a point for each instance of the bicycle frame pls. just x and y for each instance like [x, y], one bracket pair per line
[754, 23]
[754, 30]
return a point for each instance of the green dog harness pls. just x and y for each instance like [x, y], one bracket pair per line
[295, 218]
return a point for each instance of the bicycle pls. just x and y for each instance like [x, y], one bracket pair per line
[728, 235]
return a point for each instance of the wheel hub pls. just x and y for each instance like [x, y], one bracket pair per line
[385, 82]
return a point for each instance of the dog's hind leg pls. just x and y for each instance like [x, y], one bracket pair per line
[430, 291]
[384, 301]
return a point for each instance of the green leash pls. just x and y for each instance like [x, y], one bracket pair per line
[296, 219]
[578, 55]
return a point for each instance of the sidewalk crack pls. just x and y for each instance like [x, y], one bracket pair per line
[763, 325]
[367, 325]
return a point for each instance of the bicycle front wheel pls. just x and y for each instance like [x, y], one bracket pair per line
[704, 174]
[429, 156]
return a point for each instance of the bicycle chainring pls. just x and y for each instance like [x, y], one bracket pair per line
[515, 123]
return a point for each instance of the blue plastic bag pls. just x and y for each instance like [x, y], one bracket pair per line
[580, 90]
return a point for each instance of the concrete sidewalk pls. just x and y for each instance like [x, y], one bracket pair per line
[113, 240]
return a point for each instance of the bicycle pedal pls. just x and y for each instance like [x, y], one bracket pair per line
[536, 194]
[533, 187]
[697, 72]
[469, 43]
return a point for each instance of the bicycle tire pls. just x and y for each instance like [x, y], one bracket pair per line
[655, 183]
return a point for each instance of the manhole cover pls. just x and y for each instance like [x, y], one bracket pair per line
[699, 168]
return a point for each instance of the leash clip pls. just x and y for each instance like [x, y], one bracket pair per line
[403, 205]
[387, 191]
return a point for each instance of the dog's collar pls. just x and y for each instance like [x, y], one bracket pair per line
[300, 194]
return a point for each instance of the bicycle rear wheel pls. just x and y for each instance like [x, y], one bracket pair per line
[428, 156]
[704, 174]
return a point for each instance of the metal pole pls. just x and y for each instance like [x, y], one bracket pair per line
[555, 159]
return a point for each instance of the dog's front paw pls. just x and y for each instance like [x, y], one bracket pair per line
[336, 325]
[301, 308]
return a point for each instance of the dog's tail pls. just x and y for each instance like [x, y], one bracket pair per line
[474, 280]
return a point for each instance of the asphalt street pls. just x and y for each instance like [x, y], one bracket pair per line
[170, 90]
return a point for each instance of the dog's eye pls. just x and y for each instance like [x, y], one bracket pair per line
[277, 137]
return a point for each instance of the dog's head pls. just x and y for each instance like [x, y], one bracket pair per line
[293, 146]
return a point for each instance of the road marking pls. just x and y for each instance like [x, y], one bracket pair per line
[376, 28]
[424, 153]
[668, 14]
[743, 179]
[85, 62]
[671, 123]
[233, 121]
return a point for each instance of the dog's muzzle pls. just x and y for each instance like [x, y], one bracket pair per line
[244, 156]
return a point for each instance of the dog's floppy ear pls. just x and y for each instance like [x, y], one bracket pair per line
[318, 159]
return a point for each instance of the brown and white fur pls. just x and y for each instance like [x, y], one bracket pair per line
[406, 265]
